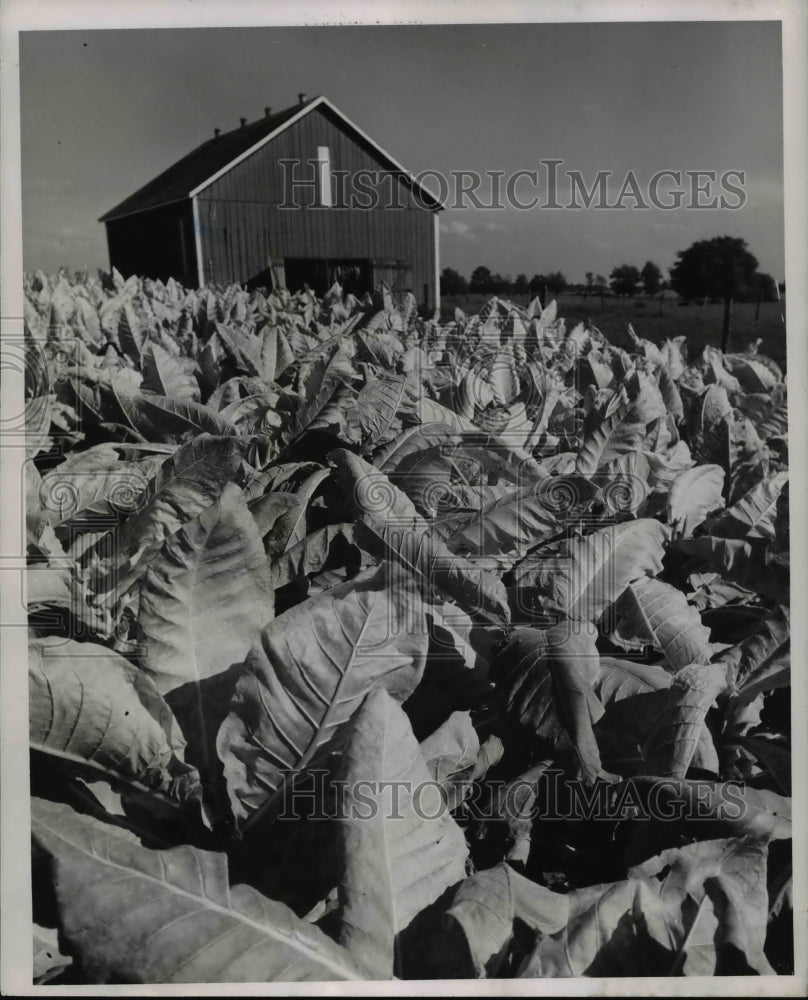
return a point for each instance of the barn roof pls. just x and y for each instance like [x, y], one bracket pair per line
[203, 165]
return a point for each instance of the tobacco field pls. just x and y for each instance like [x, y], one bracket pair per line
[367, 647]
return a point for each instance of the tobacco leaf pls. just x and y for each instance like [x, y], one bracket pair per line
[399, 859]
[134, 915]
[308, 673]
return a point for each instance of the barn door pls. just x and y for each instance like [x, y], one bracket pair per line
[396, 274]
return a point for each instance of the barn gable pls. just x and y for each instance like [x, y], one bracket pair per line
[273, 200]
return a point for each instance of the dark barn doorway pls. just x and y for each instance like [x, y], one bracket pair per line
[354, 275]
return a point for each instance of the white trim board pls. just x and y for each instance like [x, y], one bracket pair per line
[200, 266]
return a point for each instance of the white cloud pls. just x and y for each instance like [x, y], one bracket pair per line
[459, 229]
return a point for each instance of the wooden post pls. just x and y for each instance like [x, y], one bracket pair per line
[727, 322]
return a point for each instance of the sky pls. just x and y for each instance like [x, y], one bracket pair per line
[102, 112]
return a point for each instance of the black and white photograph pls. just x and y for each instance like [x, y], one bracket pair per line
[399, 420]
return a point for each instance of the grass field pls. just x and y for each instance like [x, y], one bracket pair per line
[700, 324]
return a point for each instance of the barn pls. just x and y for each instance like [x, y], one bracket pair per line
[299, 196]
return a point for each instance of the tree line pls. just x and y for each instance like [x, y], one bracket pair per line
[721, 269]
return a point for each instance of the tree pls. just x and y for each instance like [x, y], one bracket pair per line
[625, 280]
[520, 285]
[536, 284]
[720, 268]
[481, 280]
[590, 282]
[453, 283]
[651, 278]
[555, 282]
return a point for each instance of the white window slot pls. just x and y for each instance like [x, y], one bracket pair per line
[324, 175]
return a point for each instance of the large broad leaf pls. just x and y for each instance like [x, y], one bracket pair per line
[165, 375]
[591, 573]
[401, 857]
[374, 410]
[131, 335]
[655, 613]
[762, 662]
[49, 962]
[206, 596]
[612, 930]
[452, 749]
[625, 483]
[430, 412]
[311, 553]
[92, 489]
[288, 514]
[618, 424]
[774, 756]
[479, 925]
[500, 456]
[752, 374]
[621, 679]
[401, 532]
[410, 442]
[426, 478]
[311, 669]
[676, 914]
[188, 482]
[91, 707]
[673, 741]
[714, 895]
[740, 811]
[166, 418]
[524, 517]
[706, 410]
[755, 514]
[545, 681]
[694, 494]
[635, 697]
[748, 563]
[134, 915]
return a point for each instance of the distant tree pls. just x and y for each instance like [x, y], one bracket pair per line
[452, 283]
[590, 283]
[520, 285]
[720, 268]
[651, 278]
[624, 280]
[555, 282]
[536, 284]
[481, 280]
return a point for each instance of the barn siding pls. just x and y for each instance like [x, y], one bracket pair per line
[243, 227]
[158, 243]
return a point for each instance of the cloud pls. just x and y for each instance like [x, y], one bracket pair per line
[459, 229]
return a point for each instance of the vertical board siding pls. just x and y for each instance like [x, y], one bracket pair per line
[243, 225]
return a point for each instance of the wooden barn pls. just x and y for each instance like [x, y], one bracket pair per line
[300, 196]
